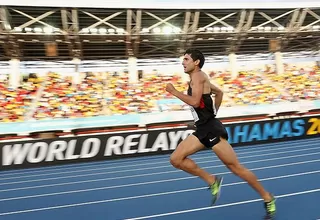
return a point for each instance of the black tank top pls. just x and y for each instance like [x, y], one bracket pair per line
[205, 111]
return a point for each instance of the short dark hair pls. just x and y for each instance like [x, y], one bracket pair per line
[196, 54]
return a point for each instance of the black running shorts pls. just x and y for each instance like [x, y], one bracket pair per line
[209, 133]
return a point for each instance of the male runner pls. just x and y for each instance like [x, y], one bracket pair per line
[210, 132]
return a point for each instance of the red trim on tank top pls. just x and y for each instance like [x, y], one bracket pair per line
[202, 105]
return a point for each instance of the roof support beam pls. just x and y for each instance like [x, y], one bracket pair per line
[161, 21]
[137, 30]
[273, 20]
[313, 23]
[70, 26]
[102, 21]
[189, 30]
[293, 26]
[129, 51]
[242, 29]
[185, 30]
[37, 19]
[219, 20]
[193, 28]
[11, 44]
[4, 20]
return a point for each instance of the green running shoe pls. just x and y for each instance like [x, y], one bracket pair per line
[215, 189]
[270, 206]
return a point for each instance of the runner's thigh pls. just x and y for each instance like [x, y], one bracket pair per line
[225, 152]
[188, 146]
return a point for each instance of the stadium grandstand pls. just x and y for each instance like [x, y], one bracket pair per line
[86, 124]
[63, 62]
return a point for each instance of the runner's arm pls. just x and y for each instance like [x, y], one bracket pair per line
[197, 91]
[218, 96]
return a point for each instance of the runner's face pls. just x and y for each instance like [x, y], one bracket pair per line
[188, 64]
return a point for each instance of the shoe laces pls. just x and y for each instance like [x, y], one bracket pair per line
[269, 205]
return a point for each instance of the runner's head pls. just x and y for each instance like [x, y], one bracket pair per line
[193, 60]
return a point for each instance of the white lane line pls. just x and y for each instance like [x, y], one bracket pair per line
[159, 162]
[168, 180]
[223, 205]
[158, 215]
[247, 150]
[150, 174]
[125, 198]
[153, 167]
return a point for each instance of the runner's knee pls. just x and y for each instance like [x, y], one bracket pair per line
[175, 160]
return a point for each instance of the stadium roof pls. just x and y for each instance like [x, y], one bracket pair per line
[168, 4]
[29, 33]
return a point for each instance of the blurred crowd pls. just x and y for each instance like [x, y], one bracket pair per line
[299, 83]
[15, 103]
[57, 96]
[142, 97]
[61, 99]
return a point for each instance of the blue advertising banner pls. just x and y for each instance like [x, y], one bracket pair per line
[42, 152]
